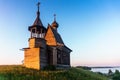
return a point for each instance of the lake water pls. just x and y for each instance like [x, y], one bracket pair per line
[104, 70]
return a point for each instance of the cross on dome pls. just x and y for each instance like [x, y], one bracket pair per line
[38, 4]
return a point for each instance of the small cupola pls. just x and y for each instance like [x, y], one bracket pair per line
[54, 24]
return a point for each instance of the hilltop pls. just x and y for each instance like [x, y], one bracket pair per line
[17, 72]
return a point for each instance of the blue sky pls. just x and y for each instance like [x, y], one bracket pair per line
[91, 28]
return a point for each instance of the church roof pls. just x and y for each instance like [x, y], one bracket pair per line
[57, 36]
[37, 21]
[52, 37]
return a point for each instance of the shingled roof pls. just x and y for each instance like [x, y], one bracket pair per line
[52, 37]
[37, 22]
[57, 36]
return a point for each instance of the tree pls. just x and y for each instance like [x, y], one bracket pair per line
[110, 72]
[116, 75]
[117, 72]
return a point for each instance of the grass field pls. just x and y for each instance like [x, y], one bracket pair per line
[21, 73]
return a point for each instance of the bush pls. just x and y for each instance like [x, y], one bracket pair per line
[50, 67]
[116, 75]
[110, 72]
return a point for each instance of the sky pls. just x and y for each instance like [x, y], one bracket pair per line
[91, 28]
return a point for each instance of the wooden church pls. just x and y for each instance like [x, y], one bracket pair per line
[46, 46]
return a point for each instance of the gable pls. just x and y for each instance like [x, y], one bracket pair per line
[57, 37]
[53, 37]
[49, 37]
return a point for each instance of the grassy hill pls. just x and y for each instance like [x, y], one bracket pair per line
[21, 73]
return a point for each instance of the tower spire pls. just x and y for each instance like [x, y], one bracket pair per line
[37, 20]
[38, 12]
[37, 29]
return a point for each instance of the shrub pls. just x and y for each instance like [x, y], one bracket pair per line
[110, 72]
[116, 75]
[50, 67]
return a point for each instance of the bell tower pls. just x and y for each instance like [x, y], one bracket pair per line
[37, 29]
[35, 55]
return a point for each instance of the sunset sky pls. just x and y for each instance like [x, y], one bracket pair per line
[91, 28]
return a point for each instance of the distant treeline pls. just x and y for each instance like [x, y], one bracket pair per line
[106, 67]
[84, 67]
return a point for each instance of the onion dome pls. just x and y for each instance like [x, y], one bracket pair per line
[55, 24]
